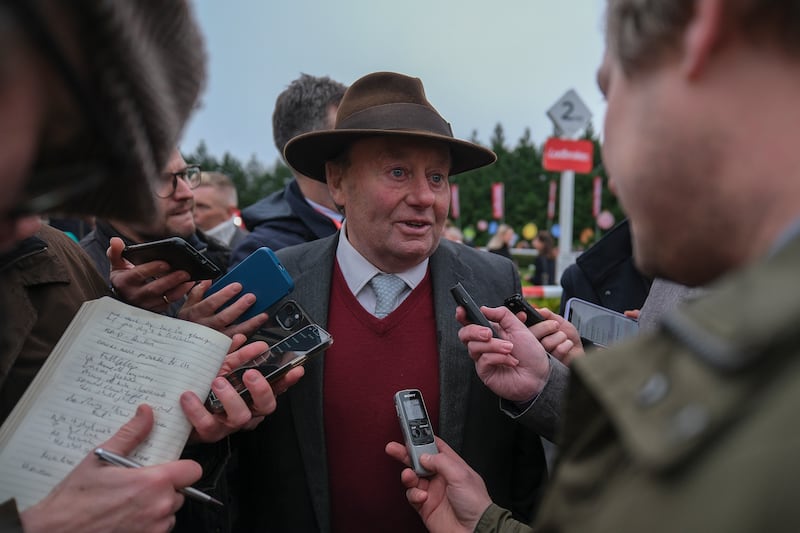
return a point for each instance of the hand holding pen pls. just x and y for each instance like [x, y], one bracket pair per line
[119, 460]
[97, 497]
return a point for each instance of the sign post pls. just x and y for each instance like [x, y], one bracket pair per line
[570, 116]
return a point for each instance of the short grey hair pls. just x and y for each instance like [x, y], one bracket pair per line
[222, 182]
[303, 106]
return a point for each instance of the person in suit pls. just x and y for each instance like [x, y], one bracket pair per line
[319, 462]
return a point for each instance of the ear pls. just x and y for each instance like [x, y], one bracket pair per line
[703, 35]
[333, 176]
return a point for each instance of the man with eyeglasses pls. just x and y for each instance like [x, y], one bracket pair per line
[153, 285]
[173, 218]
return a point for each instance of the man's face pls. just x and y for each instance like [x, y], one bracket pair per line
[396, 196]
[210, 207]
[174, 217]
[663, 159]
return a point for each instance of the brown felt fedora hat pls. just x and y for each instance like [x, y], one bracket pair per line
[382, 103]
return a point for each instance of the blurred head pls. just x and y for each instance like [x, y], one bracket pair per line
[94, 97]
[502, 236]
[215, 200]
[452, 232]
[677, 75]
[544, 243]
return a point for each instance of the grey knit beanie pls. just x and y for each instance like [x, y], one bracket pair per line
[136, 69]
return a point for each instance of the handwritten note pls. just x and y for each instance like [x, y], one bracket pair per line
[112, 358]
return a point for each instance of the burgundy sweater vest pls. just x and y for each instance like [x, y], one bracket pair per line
[369, 361]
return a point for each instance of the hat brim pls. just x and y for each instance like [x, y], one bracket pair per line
[308, 153]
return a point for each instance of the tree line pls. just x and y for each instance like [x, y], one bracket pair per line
[519, 168]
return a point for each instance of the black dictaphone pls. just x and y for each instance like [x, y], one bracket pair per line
[474, 314]
[517, 303]
[416, 426]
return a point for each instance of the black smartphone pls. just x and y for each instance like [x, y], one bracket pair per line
[287, 354]
[178, 253]
[287, 318]
[517, 303]
[474, 314]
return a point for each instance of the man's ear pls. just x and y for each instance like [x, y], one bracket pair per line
[333, 176]
[703, 34]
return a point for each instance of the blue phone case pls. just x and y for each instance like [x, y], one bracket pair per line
[260, 273]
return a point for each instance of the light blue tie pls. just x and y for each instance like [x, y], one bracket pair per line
[388, 289]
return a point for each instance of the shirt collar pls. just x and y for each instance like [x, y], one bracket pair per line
[357, 270]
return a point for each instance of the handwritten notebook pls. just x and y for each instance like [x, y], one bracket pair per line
[112, 358]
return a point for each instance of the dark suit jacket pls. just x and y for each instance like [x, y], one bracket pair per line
[283, 463]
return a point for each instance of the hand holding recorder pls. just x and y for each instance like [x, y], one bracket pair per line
[452, 498]
[515, 365]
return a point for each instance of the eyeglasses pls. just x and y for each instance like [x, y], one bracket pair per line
[191, 175]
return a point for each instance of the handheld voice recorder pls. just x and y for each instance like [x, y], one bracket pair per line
[416, 426]
[474, 315]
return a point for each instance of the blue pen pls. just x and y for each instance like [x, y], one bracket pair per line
[119, 460]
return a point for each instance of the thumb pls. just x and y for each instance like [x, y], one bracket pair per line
[114, 253]
[446, 463]
[132, 433]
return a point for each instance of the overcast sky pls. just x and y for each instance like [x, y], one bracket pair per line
[481, 62]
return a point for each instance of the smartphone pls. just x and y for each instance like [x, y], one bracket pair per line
[287, 318]
[416, 426]
[178, 253]
[474, 314]
[600, 325]
[260, 273]
[285, 355]
[517, 303]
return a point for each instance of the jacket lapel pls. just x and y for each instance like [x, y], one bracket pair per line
[454, 362]
[312, 271]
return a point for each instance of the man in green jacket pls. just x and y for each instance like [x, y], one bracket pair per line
[693, 427]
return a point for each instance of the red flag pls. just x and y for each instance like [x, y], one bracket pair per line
[597, 196]
[551, 200]
[498, 206]
[455, 207]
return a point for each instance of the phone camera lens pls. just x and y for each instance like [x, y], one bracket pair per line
[288, 316]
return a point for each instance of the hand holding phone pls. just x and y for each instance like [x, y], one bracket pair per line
[178, 253]
[516, 304]
[294, 350]
[474, 314]
[260, 273]
[598, 324]
[416, 426]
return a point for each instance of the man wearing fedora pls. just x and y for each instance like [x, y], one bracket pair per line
[319, 461]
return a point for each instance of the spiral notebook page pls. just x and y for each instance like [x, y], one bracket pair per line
[112, 358]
